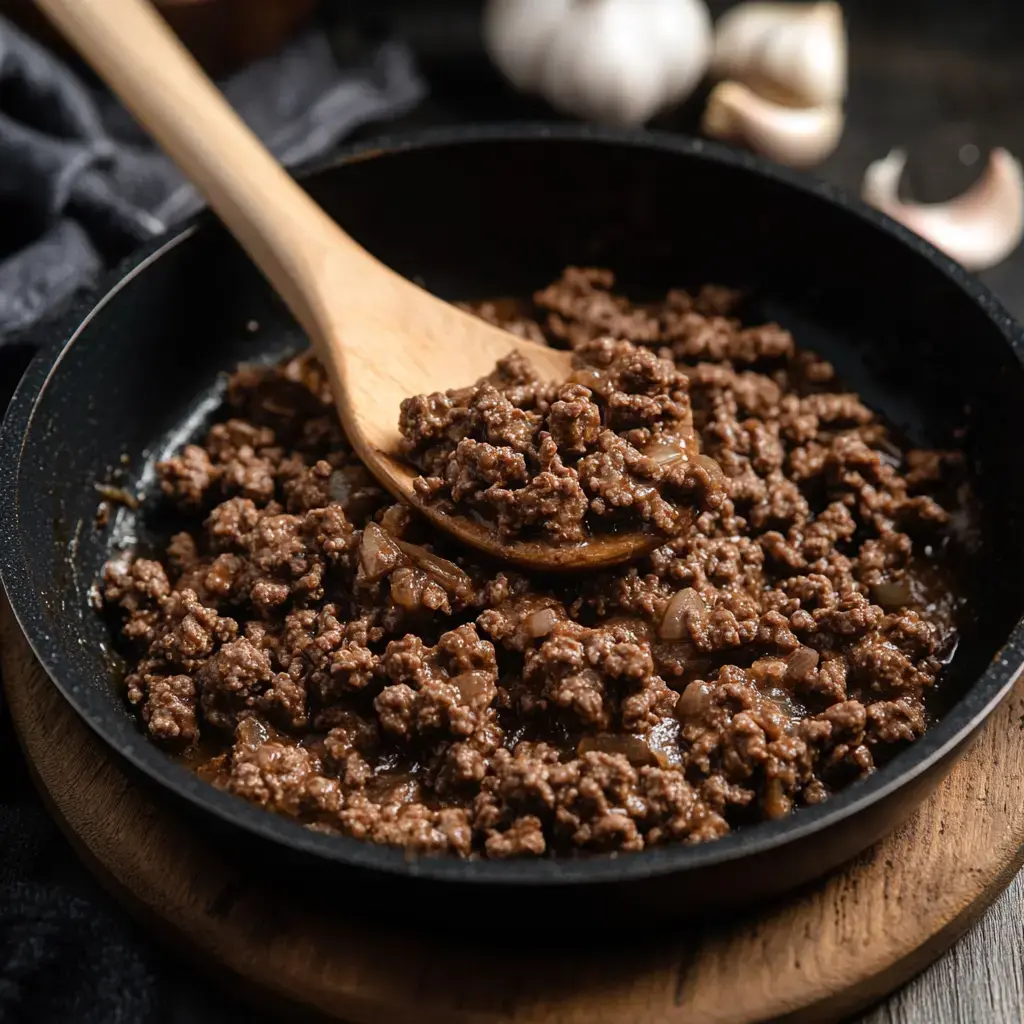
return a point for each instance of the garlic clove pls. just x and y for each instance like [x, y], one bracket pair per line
[795, 136]
[515, 34]
[686, 33]
[792, 53]
[593, 72]
[979, 228]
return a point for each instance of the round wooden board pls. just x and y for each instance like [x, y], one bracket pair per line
[819, 956]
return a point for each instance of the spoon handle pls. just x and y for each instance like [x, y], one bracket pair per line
[288, 236]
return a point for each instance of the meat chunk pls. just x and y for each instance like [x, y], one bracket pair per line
[611, 448]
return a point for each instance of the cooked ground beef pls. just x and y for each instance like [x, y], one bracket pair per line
[311, 647]
[613, 447]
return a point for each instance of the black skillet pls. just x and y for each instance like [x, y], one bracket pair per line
[485, 212]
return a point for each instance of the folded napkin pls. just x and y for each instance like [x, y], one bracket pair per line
[80, 185]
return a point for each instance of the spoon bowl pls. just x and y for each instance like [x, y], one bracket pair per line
[456, 349]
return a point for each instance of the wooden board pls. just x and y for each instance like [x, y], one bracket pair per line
[819, 956]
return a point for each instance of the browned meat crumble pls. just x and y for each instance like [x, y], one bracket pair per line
[611, 448]
[309, 646]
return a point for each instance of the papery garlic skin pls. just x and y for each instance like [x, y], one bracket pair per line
[794, 136]
[979, 228]
[795, 54]
[612, 61]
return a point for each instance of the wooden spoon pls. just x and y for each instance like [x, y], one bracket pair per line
[380, 337]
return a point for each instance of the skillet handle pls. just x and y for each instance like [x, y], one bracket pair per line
[289, 237]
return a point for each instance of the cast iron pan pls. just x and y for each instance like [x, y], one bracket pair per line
[479, 213]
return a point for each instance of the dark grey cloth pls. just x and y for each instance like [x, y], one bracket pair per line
[80, 187]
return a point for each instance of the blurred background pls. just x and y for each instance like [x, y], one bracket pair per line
[941, 80]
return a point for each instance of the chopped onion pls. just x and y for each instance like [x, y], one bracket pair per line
[667, 450]
[394, 520]
[117, 495]
[448, 574]
[800, 662]
[252, 733]
[541, 623]
[407, 588]
[886, 444]
[378, 553]
[694, 701]
[588, 376]
[713, 469]
[674, 623]
[892, 595]
[475, 687]
[632, 747]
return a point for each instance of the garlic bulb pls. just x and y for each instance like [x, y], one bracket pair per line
[613, 61]
[793, 53]
[795, 136]
[979, 228]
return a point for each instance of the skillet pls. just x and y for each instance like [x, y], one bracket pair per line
[481, 212]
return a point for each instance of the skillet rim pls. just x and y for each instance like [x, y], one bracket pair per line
[965, 716]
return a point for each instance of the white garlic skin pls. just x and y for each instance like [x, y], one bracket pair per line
[979, 228]
[616, 62]
[795, 54]
[794, 136]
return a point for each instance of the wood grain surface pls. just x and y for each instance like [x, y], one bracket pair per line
[824, 954]
[979, 981]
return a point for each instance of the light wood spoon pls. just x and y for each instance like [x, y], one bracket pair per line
[380, 337]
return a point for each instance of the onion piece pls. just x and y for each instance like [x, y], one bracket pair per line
[892, 594]
[378, 553]
[694, 701]
[117, 495]
[477, 688]
[800, 662]
[541, 623]
[666, 450]
[448, 574]
[631, 747]
[252, 733]
[588, 376]
[711, 467]
[406, 588]
[675, 622]
[785, 702]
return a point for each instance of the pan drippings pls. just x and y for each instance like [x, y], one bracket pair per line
[311, 647]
